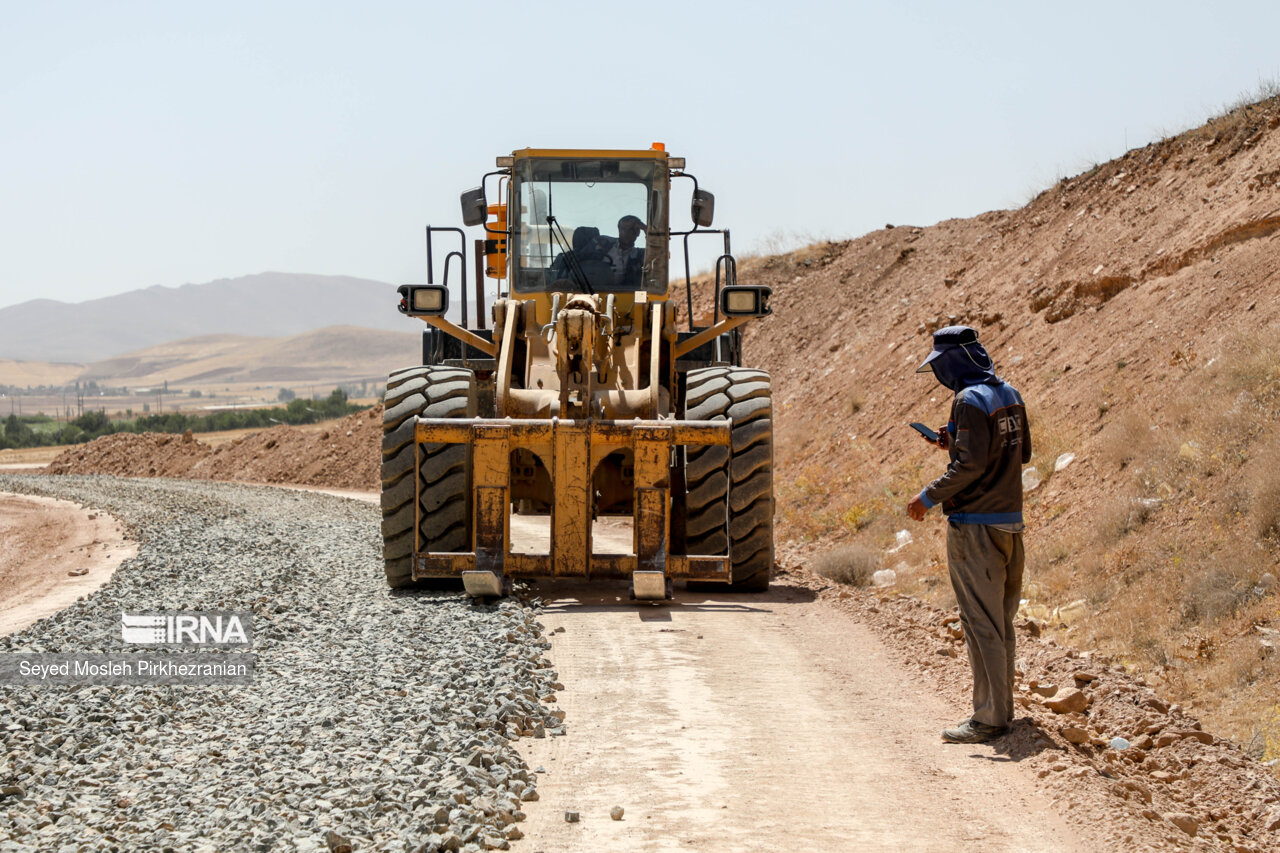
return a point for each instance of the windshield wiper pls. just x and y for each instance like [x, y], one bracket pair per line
[570, 257]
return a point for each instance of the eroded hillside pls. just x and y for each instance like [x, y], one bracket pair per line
[1136, 308]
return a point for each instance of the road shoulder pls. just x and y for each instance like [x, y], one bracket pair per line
[53, 552]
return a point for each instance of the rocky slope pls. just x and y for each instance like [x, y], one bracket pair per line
[1135, 307]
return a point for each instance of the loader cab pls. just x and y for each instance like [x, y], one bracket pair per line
[589, 222]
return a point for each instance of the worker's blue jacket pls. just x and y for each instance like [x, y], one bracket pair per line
[989, 443]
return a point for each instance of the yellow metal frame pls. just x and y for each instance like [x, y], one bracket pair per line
[588, 153]
[467, 337]
[688, 345]
[571, 449]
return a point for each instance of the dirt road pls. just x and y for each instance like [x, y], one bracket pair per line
[759, 722]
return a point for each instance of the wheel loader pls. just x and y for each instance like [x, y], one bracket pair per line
[581, 392]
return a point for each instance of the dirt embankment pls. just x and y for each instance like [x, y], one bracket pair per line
[343, 455]
[1136, 308]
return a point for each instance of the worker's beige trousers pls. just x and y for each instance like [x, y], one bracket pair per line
[986, 574]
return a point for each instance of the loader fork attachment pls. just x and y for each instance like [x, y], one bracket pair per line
[572, 449]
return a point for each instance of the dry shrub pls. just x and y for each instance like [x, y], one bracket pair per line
[1219, 579]
[1048, 442]
[1127, 440]
[1249, 365]
[1214, 593]
[1266, 511]
[851, 492]
[1119, 516]
[1264, 491]
[1050, 574]
[1238, 118]
[849, 564]
[1239, 664]
[1174, 587]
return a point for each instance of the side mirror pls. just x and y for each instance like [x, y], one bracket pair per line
[703, 209]
[475, 210]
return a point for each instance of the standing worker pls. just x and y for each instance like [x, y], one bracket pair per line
[981, 494]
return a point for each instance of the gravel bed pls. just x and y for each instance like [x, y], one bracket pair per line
[376, 720]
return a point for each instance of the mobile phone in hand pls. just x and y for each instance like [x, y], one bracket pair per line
[925, 431]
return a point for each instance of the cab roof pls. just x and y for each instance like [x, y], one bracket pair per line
[591, 153]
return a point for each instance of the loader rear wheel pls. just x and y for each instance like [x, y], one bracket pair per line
[430, 482]
[728, 500]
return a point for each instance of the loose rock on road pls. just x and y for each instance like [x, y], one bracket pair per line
[375, 719]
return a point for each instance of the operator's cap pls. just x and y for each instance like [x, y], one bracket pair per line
[948, 338]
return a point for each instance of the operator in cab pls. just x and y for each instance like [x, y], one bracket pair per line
[612, 263]
[624, 255]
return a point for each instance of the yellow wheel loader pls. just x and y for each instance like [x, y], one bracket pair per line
[580, 396]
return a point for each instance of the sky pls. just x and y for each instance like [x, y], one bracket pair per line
[167, 143]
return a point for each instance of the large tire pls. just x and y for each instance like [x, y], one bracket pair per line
[728, 501]
[435, 476]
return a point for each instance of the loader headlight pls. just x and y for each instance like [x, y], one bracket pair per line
[423, 299]
[745, 301]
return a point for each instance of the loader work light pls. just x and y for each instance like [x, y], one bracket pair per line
[745, 301]
[420, 299]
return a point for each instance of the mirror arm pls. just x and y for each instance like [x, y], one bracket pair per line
[688, 345]
[487, 347]
[483, 182]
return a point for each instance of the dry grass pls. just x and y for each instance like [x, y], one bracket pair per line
[1171, 561]
[852, 565]
[1262, 505]
[1239, 117]
[1049, 440]
[857, 498]
[1126, 439]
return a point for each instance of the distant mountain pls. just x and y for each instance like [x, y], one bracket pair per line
[334, 354]
[271, 304]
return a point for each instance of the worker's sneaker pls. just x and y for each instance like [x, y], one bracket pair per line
[972, 731]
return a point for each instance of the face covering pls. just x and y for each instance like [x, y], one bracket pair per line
[960, 366]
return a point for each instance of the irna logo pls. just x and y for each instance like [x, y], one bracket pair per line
[187, 628]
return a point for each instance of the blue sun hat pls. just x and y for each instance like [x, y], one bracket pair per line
[958, 360]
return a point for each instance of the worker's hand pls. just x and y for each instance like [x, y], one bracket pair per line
[916, 509]
[944, 438]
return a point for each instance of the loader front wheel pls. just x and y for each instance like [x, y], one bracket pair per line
[728, 501]
[425, 488]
